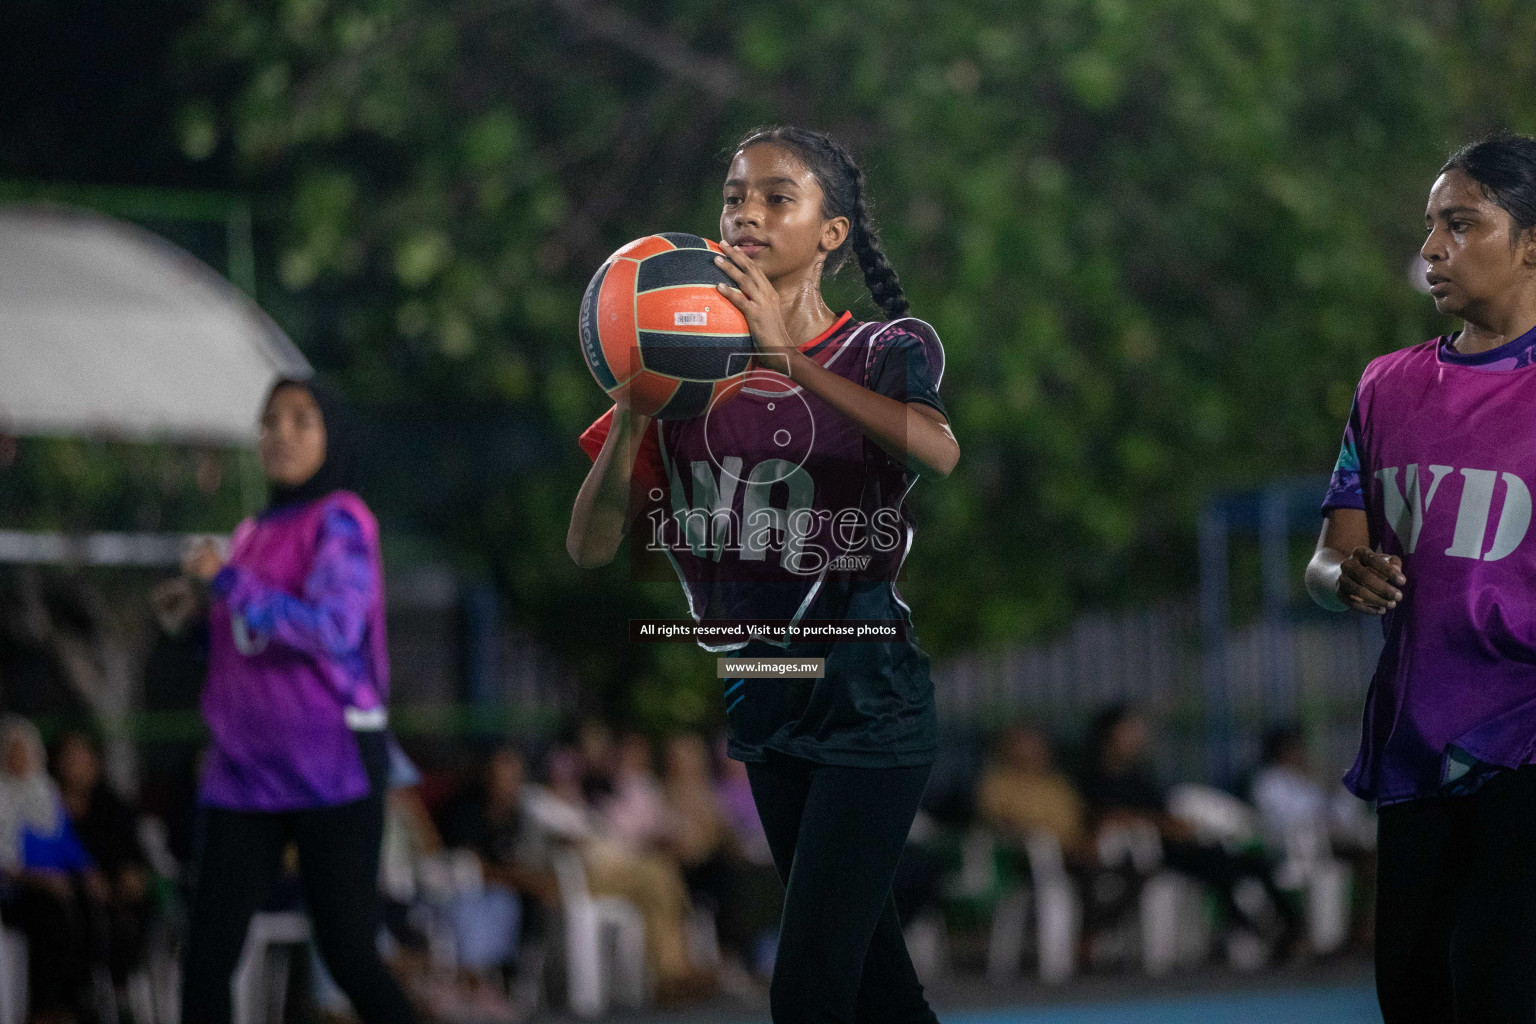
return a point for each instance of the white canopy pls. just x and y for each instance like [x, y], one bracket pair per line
[108, 330]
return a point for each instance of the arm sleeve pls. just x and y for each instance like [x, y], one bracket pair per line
[648, 472]
[1344, 490]
[902, 371]
[61, 851]
[75, 855]
[330, 617]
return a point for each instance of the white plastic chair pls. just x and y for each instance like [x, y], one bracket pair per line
[13, 976]
[254, 991]
[1309, 867]
[975, 879]
[1171, 925]
[1216, 817]
[1057, 916]
[1058, 912]
[1174, 928]
[596, 973]
[154, 988]
[928, 945]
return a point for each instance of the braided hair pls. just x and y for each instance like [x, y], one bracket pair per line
[845, 194]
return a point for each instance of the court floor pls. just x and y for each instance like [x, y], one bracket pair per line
[1338, 992]
[1352, 1004]
[1345, 1005]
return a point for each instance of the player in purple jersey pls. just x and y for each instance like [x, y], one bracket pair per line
[788, 502]
[296, 705]
[1428, 526]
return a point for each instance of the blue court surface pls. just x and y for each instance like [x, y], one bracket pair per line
[1351, 1005]
[1341, 1004]
[1332, 993]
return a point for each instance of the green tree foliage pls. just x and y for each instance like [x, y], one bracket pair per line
[76, 485]
[1160, 239]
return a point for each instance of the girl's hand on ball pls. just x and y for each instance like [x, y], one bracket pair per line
[757, 300]
[635, 421]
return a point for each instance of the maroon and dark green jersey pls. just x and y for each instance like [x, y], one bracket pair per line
[773, 506]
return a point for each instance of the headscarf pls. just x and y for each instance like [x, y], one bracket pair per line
[29, 802]
[333, 471]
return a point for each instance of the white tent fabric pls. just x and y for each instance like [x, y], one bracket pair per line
[108, 330]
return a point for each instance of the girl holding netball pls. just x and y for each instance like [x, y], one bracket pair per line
[298, 679]
[795, 495]
[1428, 525]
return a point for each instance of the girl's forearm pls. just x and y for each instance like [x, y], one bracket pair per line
[601, 512]
[923, 442]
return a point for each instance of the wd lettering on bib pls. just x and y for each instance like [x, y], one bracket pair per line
[1406, 509]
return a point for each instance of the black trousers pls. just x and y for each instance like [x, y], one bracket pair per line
[836, 835]
[1223, 870]
[240, 859]
[66, 938]
[1456, 906]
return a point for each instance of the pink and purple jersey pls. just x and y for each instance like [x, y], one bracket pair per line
[297, 658]
[1440, 453]
[774, 506]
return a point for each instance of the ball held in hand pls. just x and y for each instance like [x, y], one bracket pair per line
[657, 335]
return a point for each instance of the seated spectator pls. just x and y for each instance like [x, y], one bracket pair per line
[1021, 794]
[734, 793]
[635, 813]
[699, 837]
[564, 768]
[513, 850]
[595, 750]
[1287, 798]
[719, 876]
[53, 893]
[632, 858]
[750, 918]
[1021, 791]
[409, 841]
[1120, 790]
[108, 829]
[1291, 801]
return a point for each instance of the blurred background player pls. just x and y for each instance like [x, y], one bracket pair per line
[298, 678]
[1427, 517]
[837, 765]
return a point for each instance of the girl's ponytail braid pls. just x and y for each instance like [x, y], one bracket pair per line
[879, 276]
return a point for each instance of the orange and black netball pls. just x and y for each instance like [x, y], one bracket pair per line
[657, 335]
